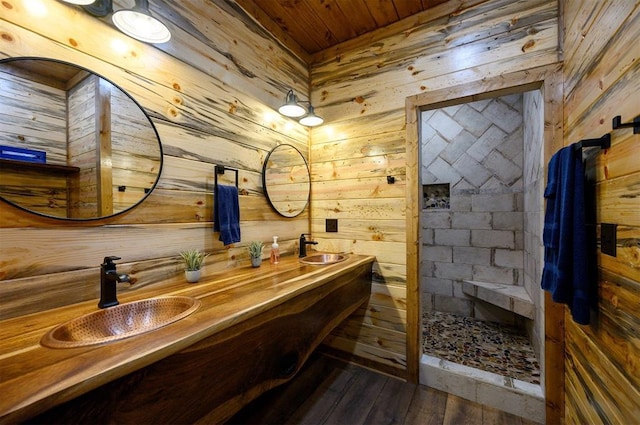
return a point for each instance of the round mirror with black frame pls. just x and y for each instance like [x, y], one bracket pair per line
[286, 180]
[73, 145]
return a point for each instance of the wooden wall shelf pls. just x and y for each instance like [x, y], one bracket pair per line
[51, 168]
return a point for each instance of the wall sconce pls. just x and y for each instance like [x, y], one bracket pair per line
[292, 108]
[136, 22]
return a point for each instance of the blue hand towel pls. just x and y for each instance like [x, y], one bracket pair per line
[565, 273]
[226, 214]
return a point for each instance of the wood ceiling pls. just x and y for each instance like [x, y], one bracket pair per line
[311, 26]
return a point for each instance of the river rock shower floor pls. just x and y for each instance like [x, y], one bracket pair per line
[489, 346]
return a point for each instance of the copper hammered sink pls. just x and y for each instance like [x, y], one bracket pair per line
[119, 322]
[321, 259]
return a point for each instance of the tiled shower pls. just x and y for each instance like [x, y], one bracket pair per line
[481, 224]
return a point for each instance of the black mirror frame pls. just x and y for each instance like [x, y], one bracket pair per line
[264, 182]
[155, 131]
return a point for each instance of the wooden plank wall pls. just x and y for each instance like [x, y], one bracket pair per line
[360, 89]
[212, 93]
[602, 79]
[82, 146]
[23, 100]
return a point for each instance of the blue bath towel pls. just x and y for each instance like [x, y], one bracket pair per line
[226, 214]
[565, 272]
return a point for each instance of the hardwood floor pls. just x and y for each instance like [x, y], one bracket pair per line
[329, 391]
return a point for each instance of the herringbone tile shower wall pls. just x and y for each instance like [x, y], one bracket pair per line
[475, 145]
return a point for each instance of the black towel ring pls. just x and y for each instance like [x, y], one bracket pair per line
[220, 169]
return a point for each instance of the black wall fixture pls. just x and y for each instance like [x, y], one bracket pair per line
[603, 142]
[617, 123]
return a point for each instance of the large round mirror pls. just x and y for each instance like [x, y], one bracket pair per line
[286, 180]
[73, 145]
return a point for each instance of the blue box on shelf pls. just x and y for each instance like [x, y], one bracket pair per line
[20, 154]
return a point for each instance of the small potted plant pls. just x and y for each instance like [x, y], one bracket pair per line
[255, 252]
[193, 260]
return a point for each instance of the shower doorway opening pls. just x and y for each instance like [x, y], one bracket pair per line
[479, 210]
[478, 302]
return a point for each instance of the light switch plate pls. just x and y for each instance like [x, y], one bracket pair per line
[608, 239]
[331, 225]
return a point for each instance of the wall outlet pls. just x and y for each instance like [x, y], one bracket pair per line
[608, 239]
[331, 225]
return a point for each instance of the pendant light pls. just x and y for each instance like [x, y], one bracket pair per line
[292, 108]
[139, 24]
[311, 119]
[136, 22]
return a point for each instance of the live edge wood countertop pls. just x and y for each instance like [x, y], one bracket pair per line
[34, 378]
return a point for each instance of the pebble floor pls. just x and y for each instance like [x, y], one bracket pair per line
[488, 346]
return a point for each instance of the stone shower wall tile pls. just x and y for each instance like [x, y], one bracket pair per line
[436, 220]
[499, 202]
[471, 220]
[452, 237]
[509, 258]
[471, 255]
[493, 274]
[493, 239]
[438, 253]
[508, 220]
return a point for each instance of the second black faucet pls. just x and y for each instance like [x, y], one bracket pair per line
[303, 245]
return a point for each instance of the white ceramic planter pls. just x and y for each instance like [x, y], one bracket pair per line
[192, 275]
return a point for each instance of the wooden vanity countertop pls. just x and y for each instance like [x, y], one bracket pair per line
[34, 378]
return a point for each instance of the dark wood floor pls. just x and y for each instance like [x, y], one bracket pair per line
[329, 391]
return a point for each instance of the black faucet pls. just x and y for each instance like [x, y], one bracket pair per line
[303, 245]
[108, 279]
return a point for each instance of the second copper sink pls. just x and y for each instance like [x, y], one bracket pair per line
[321, 259]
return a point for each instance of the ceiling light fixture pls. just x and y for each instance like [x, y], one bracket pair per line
[311, 119]
[292, 108]
[136, 22]
[139, 24]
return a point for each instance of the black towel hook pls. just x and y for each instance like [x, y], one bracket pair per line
[617, 123]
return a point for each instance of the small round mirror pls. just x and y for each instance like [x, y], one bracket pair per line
[286, 180]
[73, 145]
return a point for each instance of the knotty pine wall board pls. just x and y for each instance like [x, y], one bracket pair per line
[52, 246]
[618, 199]
[383, 230]
[386, 339]
[584, 19]
[379, 358]
[383, 74]
[162, 206]
[381, 143]
[382, 317]
[593, 88]
[174, 92]
[361, 188]
[601, 74]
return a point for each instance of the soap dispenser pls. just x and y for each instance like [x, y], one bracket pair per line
[275, 251]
